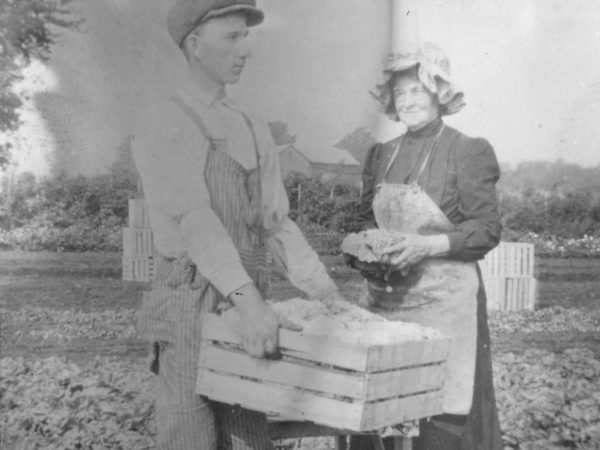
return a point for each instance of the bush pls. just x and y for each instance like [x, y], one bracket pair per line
[86, 214]
[64, 214]
[329, 206]
[325, 242]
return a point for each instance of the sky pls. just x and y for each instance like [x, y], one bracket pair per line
[530, 70]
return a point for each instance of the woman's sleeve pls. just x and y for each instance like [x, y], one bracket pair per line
[477, 173]
[369, 175]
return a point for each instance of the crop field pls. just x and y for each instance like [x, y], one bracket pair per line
[73, 374]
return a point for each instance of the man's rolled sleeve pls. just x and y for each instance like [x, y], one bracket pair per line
[292, 252]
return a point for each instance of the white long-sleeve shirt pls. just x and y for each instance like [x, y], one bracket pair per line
[170, 153]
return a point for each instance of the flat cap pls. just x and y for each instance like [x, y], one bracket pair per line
[185, 15]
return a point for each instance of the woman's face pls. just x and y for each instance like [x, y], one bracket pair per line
[415, 105]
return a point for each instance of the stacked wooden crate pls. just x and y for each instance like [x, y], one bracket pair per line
[339, 384]
[138, 250]
[507, 273]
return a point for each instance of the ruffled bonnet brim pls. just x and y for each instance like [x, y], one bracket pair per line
[432, 70]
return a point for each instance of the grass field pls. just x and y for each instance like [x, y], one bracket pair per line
[76, 307]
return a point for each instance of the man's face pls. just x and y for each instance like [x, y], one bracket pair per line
[222, 48]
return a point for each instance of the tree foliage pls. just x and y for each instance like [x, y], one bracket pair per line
[65, 213]
[27, 31]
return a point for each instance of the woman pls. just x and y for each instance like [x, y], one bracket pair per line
[438, 167]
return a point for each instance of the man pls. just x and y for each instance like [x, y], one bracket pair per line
[212, 181]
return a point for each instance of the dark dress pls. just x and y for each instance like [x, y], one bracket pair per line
[460, 177]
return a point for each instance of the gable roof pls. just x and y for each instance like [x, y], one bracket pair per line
[329, 155]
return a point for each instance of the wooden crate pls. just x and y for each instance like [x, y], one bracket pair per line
[507, 273]
[137, 242]
[509, 259]
[510, 294]
[138, 269]
[138, 213]
[332, 383]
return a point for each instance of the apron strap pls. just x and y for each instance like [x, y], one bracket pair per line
[425, 160]
[429, 153]
[393, 157]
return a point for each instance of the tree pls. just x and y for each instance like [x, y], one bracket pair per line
[357, 143]
[26, 32]
[280, 133]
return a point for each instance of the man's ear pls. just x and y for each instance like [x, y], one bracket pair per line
[193, 46]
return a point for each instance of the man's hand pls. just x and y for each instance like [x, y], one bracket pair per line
[415, 248]
[259, 323]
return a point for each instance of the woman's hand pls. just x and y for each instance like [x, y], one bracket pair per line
[414, 248]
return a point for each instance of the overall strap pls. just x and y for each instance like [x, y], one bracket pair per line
[254, 140]
[195, 117]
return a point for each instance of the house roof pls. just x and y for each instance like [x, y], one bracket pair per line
[329, 155]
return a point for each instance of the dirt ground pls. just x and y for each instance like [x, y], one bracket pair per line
[546, 362]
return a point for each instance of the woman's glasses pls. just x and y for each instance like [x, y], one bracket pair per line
[417, 92]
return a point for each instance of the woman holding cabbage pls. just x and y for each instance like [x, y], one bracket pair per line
[433, 189]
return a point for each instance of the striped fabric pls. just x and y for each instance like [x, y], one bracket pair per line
[172, 311]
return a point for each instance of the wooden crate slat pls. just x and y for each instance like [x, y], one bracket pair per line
[397, 383]
[531, 254]
[523, 300]
[386, 357]
[138, 269]
[510, 288]
[380, 414]
[314, 378]
[293, 344]
[293, 404]
[506, 260]
[522, 260]
[137, 242]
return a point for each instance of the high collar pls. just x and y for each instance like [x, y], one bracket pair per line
[428, 130]
[205, 98]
